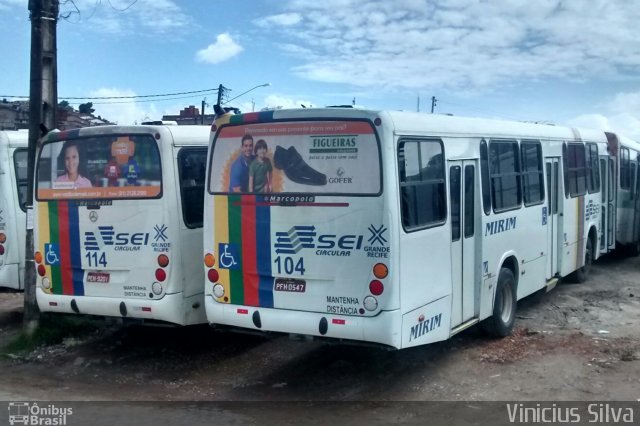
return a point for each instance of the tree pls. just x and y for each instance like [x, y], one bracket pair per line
[86, 108]
[65, 105]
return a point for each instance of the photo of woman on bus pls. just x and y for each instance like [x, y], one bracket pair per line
[71, 155]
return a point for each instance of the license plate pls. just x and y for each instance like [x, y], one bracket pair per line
[98, 277]
[290, 284]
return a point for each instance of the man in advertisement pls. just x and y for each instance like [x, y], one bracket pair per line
[239, 176]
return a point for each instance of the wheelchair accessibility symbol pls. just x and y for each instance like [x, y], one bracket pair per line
[229, 257]
[51, 254]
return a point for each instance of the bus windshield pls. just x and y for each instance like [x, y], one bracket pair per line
[100, 167]
[310, 157]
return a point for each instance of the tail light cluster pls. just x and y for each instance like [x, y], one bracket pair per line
[161, 274]
[42, 271]
[213, 276]
[376, 287]
[3, 239]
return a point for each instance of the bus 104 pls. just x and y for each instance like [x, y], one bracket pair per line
[403, 229]
[118, 222]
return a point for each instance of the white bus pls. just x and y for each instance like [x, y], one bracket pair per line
[118, 222]
[625, 200]
[13, 192]
[396, 228]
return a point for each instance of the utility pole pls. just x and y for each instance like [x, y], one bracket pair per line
[43, 105]
[433, 103]
[418, 107]
[202, 111]
[221, 90]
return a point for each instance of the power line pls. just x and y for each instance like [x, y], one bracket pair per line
[120, 97]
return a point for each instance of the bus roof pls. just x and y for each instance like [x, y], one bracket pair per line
[439, 124]
[181, 135]
[14, 138]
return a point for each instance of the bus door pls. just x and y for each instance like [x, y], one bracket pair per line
[553, 230]
[611, 196]
[636, 206]
[604, 206]
[464, 265]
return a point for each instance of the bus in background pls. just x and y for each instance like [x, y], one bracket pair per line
[118, 222]
[395, 228]
[13, 192]
[623, 161]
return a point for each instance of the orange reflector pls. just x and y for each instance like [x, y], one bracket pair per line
[38, 257]
[3, 237]
[380, 270]
[243, 311]
[209, 260]
[163, 260]
[338, 321]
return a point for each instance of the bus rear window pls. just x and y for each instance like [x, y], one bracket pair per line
[100, 167]
[309, 157]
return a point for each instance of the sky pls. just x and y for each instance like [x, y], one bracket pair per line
[568, 62]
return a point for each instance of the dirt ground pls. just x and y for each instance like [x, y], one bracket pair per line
[578, 342]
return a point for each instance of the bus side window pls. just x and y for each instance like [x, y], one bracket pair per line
[504, 163]
[422, 183]
[486, 185]
[191, 168]
[20, 163]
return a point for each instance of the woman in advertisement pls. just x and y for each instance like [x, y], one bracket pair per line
[71, 155]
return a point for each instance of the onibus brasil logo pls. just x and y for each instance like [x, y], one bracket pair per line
[26, 413]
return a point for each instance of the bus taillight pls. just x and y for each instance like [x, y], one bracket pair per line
[38, 257]
[209, 260]
[163, 260]
[213, 275]
[161, 275]
[218, 290]
[380, 270]
[41, 270]
[3, 238]
[1, 249]
[376, 288]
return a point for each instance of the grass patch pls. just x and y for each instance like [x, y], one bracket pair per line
[53, 329]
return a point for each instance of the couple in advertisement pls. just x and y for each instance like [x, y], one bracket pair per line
[252, 170]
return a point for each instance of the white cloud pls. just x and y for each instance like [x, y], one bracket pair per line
[456, 44]
[126, 16]
[223, 49]
[280, 101]
[124, 112]
[281, 20]
[621, 114]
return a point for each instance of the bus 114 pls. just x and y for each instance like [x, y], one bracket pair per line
[118, 222]
[13, 192]
[399, 228]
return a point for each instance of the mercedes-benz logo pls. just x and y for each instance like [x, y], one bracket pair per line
[93, 216]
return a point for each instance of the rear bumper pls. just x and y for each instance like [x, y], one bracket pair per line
[173, 308]
[383, 328]
[10, 276]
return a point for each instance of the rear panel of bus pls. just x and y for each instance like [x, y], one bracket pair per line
[13, 181]
[312, 255]
[107, 243]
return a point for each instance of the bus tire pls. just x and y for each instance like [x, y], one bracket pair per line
[500, 323]
[582, 274]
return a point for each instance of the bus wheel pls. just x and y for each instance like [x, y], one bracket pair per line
[582, 274]
[501, 322]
